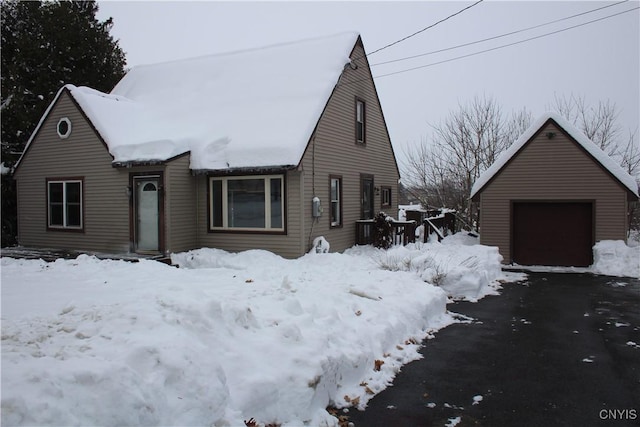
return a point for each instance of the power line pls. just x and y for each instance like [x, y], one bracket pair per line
[497, 37]
[424, 29]
[495, 48]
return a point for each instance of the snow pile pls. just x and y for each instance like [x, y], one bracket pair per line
[463, 238]
[615, 258]
[225, 338]
[320, 246]
[460, 266]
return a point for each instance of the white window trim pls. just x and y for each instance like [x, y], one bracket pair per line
[65, 220]
[267, 208]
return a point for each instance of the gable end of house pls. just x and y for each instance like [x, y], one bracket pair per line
[62, 93]
[363, 58]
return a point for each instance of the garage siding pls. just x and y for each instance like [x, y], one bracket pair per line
[555, 169]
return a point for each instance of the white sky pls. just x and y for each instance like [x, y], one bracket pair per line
[599, 61]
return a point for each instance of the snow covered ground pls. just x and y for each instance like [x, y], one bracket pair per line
[224, 338]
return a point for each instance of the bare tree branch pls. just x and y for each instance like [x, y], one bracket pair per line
[441, 172]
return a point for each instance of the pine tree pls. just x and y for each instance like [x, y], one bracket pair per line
[44, 46]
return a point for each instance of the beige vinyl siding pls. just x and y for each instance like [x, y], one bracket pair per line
[551, 169]
[287, 245]
[82, 154]
[331, 151]
[180, 202]
[334, 151]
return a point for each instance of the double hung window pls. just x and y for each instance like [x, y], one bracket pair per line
[360, 117]
[335, 191]
[64, 204]
[386, 197]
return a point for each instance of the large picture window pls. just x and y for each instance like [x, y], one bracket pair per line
[247, 203]
[64, 204]
[335, 192]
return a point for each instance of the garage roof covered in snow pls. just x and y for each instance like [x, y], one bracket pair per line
[247, 109]
[591, 148]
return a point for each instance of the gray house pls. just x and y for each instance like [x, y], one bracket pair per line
[551, 196]
[257, 149]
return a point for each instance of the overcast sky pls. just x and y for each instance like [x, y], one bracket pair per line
[600, 61]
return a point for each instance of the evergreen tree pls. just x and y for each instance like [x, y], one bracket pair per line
[46, 44]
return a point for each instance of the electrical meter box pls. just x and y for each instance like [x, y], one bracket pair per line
[316, 208]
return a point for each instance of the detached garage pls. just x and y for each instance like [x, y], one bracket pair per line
[551, 196]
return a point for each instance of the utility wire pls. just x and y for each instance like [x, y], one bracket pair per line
[422, 30]
[495, 48]
[497, 37]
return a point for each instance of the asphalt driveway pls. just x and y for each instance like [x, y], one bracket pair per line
[561, 350]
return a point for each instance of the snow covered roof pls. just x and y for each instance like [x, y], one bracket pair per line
[254, 108]
[600, 156]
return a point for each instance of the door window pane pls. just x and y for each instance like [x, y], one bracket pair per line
[367, 198]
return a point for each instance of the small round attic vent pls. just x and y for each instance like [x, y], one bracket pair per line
[64, 128]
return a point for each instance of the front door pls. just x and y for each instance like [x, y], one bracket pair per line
[366, 188]
[147, 213]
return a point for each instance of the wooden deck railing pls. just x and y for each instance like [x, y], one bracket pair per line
[435, 222]
[403, 232]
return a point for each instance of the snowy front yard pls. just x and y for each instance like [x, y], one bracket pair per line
[226, 337]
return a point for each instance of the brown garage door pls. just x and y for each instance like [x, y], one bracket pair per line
[552, 234]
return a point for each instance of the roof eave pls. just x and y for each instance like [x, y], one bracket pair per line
[245, 170]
